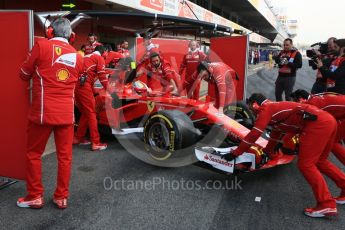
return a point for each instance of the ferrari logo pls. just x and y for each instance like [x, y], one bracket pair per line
[58, 50]
[150, 105]
[62, 75]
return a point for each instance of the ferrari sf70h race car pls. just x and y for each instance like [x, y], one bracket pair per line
[172, 131]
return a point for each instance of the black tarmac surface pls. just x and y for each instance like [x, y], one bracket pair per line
[114, 190]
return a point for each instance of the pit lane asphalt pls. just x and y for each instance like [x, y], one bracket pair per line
[283, 191]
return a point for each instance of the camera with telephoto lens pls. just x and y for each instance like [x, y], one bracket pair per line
[323, 49]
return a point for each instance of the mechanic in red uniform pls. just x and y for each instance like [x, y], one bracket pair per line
[333, 104]
[161, 76]
[190, 63]
[94, 68]
[90, 47]
[54, 67]
[221, 88]
[314, 126]
[150, 48]
[124, 49]
[113, 57]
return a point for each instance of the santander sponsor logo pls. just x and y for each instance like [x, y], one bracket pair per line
[218, 161]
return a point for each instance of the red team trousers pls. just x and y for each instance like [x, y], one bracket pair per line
[86, 104]
[313, 158]
[38, 136]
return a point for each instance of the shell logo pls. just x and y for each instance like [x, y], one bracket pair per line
[62, 75]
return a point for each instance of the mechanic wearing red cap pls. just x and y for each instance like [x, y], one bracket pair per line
[334, 104]
[94, 68]
[54, 67]
[314, 126]
[219, 76]
[190, 63]
[160, 76]
[90, 47]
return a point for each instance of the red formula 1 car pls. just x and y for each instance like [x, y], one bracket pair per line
[176, 131]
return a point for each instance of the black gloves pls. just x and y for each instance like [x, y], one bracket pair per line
[230, 156]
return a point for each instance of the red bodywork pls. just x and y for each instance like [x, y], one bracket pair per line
[140, 106]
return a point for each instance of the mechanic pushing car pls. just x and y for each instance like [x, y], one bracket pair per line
[190, 63]
[94, 68]
[314, 126]
[334, 104]
[161, 76]
[54, 67]
[221, 89]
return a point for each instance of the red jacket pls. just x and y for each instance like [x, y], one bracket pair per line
[191, 61]
[89, 48]
[159, 78]
[54, 67]
[125, 52]
[113, 58]
[333, 104]
[284, 117]
[145, 59]
[94, 67]
[219, 83]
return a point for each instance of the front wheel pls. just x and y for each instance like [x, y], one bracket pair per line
[167, 134]
[240, 112]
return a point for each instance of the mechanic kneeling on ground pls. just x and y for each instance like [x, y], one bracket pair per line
[54, 67]
[94, 68]
[219, 76]
[333, 104]
[314, 126]
[161, 76]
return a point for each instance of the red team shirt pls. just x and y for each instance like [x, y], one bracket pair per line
[54, 67]
[89, 48]
[191, 61]
[94, 66]
[220, 84]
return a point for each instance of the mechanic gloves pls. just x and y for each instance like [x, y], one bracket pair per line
[230, 156]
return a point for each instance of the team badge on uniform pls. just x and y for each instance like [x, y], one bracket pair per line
[62, 75]
[58, 50]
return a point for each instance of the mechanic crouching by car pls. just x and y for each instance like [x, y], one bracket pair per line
[221, 88]
[288, 60]
[190, 63]
[160, 76]
[54, 67]
[333, 104]
[94, 68]
[314, 126]
[336, 71]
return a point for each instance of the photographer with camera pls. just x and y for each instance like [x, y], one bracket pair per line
[336, 71]
[288, 60]
[327, 52]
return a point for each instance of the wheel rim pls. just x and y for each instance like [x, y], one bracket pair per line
[159, 137]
